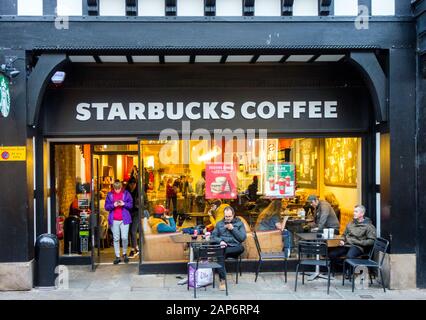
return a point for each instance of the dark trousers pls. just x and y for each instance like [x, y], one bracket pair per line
[230, 252]
[350, 252]
[134, 226]
[174, 202]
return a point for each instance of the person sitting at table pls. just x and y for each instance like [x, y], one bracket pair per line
[325, 217]
[358, 237]
[160, 222]
[216, 213]
[230, 233]
[270, 219]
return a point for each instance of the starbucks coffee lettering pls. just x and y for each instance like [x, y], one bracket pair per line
[104, 111]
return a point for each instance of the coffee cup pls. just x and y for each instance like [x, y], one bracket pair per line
[325, 234]
[331, 233]
[281, 185]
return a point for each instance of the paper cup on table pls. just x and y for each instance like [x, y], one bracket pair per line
[325, 233]
[331, 233]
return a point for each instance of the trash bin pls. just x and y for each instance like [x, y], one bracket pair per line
[46, 260]
[72, 235]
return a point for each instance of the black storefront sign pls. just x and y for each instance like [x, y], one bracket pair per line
[150, 110]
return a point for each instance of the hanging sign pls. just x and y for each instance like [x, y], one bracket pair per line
[13, 153]
[221, 180]
[280, 180]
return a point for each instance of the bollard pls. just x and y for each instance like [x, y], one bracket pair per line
[46, 260]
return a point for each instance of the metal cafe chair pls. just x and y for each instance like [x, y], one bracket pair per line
[208, 257]
[268, 256]
[237, 266]
[313, 253]
[380, 245]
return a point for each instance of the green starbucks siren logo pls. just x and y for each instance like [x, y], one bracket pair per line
[4, 96]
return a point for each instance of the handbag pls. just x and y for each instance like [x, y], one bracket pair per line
[204, 276]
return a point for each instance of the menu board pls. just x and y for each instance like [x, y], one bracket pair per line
[221, 180]
[280, 180]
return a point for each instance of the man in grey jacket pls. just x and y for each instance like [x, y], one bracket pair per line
[325, 217]
[230, 233]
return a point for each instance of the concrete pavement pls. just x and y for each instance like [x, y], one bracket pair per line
[123, 283]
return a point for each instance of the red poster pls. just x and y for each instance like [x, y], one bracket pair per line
[221, 180]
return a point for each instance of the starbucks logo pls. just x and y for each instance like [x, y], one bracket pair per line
[4, 96]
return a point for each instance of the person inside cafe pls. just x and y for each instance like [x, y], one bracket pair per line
[332, 200]
[160, 222]
[252, 189]
[200, 189]
[230, 233]
[270, 219]
[171, 196]
[216, 213]
[325, 217]
[358, 237]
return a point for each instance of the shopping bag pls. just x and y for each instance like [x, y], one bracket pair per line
[204, 276]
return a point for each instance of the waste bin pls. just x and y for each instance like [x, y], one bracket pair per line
[46, 260]
[72, 235]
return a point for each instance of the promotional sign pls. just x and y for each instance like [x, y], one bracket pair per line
[13, 153]
[221, 181]
[4, 96]
[280, 180]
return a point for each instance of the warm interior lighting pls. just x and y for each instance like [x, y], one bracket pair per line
[150, 162]
[211, 154]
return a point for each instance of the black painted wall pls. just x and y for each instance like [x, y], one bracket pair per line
[16, 222]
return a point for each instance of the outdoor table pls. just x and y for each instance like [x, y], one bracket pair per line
[188, 239]
[312, 236]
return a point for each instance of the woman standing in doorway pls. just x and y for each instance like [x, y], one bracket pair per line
[118, 203]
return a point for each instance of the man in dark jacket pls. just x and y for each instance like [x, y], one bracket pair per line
[358, 238]
[325, 217]
[230, 233]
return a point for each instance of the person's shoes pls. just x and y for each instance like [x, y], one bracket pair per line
[117, 260]
[222, 286]
[133, 254]
[125, 258]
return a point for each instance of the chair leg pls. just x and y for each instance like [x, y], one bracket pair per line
[344, 273]
[285, 270]
[371, 277]
[295, 282]
[214, 277]
[303, 274]
[195, 284]
[237, 267]
[328, 282]
[226, 284]
[353, 279]
[383, 281]
[258, 269]
[187, 276]
[241, 273]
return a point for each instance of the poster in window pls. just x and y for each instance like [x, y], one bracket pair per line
[280, 180]
[221, 180]
[341, 161]
[306, 160]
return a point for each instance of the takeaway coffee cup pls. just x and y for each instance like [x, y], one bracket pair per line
[331, 233]
[281, 185]
[325, 233]
[271, 183]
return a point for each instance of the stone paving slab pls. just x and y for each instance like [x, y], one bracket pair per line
[123, 283]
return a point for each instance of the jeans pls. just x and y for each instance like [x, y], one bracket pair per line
[174, 202]
[288, 242]
[117, 228]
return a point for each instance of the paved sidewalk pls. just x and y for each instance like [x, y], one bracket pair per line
[123, 283]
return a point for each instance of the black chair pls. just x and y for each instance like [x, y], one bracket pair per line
[380, 245]
[208, 257]
[268, 256]
[313, 253]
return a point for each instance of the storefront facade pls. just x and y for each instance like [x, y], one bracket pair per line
[286, 77]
